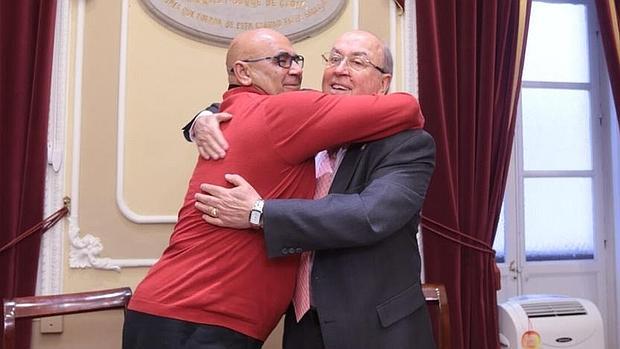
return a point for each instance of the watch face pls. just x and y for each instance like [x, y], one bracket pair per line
[255, 217]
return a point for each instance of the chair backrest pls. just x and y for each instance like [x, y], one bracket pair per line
[437, 302]
[52, 305]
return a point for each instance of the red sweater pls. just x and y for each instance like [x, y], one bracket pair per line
[221, 276]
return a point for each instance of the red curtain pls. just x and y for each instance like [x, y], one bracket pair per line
[470, 59]
[26, 42]
[609, 18]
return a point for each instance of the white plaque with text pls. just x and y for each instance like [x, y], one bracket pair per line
[221, 20]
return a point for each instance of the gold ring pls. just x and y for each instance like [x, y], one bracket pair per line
[214, 212]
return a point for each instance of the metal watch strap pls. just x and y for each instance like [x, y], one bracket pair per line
[256, 214]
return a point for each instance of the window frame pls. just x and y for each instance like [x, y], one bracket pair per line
[514, 215]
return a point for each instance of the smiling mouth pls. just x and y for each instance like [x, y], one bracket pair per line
[338, 88]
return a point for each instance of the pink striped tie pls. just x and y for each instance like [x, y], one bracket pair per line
[325, 175]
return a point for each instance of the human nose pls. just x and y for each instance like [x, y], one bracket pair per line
[295, 68]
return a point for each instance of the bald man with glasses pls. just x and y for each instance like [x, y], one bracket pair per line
[215, 287]
[358, 284]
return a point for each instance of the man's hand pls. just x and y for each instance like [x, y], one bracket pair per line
[208, 137]
[232, 205]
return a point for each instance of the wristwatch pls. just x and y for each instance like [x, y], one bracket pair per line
[256, 214]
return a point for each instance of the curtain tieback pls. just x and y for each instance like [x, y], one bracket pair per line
[444, 231]
[42, 226]
[483, 247]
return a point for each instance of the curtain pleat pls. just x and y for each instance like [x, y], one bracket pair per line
[26, 43]
[608, 12]
[470, 59]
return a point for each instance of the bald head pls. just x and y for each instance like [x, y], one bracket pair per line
[370, 44]
[245, 64]
[374, 78]
[253, 43]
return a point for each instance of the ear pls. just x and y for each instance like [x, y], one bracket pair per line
[242, 73]
[386, 79]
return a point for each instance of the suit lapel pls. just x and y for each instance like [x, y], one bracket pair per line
[347, 167]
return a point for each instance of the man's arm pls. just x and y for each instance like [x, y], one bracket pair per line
[233, 204]
[395, 194]
[391, 200]
[300, 135]
[204, 130]
[301, 124]
[187, 129]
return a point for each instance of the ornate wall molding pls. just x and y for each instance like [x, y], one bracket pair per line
[121, 202]
[85, 250]
[410, 61]
[392, 43]
[355, 9]
[120, 147]
[410, 51]
[49, 278]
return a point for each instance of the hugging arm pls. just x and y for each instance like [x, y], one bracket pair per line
[392, 199]
[204, 130]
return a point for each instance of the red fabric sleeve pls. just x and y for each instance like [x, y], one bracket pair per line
[304, 123]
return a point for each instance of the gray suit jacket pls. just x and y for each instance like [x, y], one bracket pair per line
[366, 275]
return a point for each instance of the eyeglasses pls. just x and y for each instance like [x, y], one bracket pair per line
[283, 60]
[355, 62]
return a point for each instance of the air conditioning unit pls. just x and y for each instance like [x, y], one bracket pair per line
[550, 321]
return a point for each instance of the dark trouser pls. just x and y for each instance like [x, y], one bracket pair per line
[303, 335]
[144, 331]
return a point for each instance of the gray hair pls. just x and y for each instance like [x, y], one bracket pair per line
[388, 64]
[388, 61]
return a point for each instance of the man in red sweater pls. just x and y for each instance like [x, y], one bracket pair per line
[216, 288]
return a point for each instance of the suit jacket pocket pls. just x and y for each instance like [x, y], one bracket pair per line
[401, 305]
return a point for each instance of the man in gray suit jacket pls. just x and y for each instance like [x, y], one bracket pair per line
[365, 280]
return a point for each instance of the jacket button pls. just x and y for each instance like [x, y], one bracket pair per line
[291, 250]
[299, 250]
[285, 250]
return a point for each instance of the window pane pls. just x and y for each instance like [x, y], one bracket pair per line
[557, 43]
[558, 218]
[556, 129]
[499, 243]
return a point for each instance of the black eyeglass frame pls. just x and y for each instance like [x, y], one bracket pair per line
[367, 60]
[283, 60]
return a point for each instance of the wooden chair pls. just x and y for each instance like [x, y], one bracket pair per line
[52, 305]
[437, 302]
